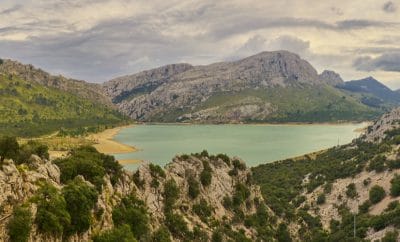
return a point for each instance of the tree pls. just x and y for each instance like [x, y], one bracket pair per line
[20, 224]
[121, 234]
[9, 148]
[161, 235]
[395, 186]
[194, 187]
[80, 199]
[376, 194]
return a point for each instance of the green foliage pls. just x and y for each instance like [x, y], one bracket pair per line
[282, 234]
[203, 210]
[80, 200]
[242, 192]
[156, 171]
[363, 208]
[52, 216]
[376, 194]
[239, 165]
[390, 236]
[19, 226]
[122, 234]
[29, 109]
[194, 187]
[281, 182]
[171, 194]
[133, 212]
[395, 186]
[321, 199]
[377, 164]
[161, 235]
[225, 158]
[32, 147]
[177, 225]
[351, 191]
[206, 174]
[91, 164]
[9, 148]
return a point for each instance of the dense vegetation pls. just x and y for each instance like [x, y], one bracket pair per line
[89, 163]
[10, 149]
[20, 224]
[30, 109]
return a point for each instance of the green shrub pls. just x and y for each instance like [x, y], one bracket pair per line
[161, 235]
[376, 194]
[206, 174]
[224, 158]
[91, 164]
[194, 187]
[133, 212]
[177, 225]
[242, 192]
[156, 171]
[363, 208]
[321, 199]
[239, 165]
[80, 199]
[395, 186]
[171, 194]
[392, 206]
[19, 226]
[282, 233]
[32, 147]
[52, 216]
[351, 191]
[377, 164]
[9, 148]
[390, 236]
[122, 234]
[203, 210]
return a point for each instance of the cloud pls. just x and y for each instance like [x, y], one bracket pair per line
[389, 7]
[10, 10]
[386, 62]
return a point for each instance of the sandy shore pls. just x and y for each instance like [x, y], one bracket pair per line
[104, 142]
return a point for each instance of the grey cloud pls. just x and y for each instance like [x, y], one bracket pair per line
[389, 7]
[11, 10]
[385, 62]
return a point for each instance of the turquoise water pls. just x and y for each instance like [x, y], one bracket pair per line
[255, 144]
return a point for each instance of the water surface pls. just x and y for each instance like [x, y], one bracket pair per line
[255, 144]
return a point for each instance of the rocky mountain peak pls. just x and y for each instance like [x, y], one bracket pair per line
[331, 78]
[377, 131]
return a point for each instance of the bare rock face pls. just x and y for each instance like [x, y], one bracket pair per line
[331, 78]
[183, 88]
[387, 122]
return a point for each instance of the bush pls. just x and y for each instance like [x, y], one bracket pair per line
[80, 199]
[133, 212]
[171, 194]
[19, 226]
[9, 148]
[225, 158]
[351, 191]
[194, 187]
[177, 225]
[89, 163]
[390, 236]
[376, 194]
[395, 186]
[321, 199]
[202, 210]
[32, 147]
[363, 208]
[206, 174]
[392, 205]
[242, 192]
[156, 171]
[122, 233]
[52, 216]
[239, 165]
[161, 235]
[377, 164]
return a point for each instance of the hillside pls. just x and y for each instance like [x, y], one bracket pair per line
[371, 92]
[319, 195]
[28, 108]
[88, 196]
[267, 87]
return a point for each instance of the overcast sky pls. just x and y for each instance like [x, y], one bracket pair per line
[97, 40]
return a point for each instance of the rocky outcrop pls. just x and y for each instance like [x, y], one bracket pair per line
[331, 78]
[389, 121]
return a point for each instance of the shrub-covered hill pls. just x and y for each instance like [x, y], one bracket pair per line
[88, 196]
[319, 195]
[28, 108]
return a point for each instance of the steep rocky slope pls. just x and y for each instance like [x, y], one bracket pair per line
[322, 195]
[196, 196]
[268, 86]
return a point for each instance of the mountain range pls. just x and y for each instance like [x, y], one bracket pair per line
[276, 86]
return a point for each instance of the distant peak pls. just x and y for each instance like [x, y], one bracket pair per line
[331, 78]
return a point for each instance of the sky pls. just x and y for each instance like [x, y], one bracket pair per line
[97, 40]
